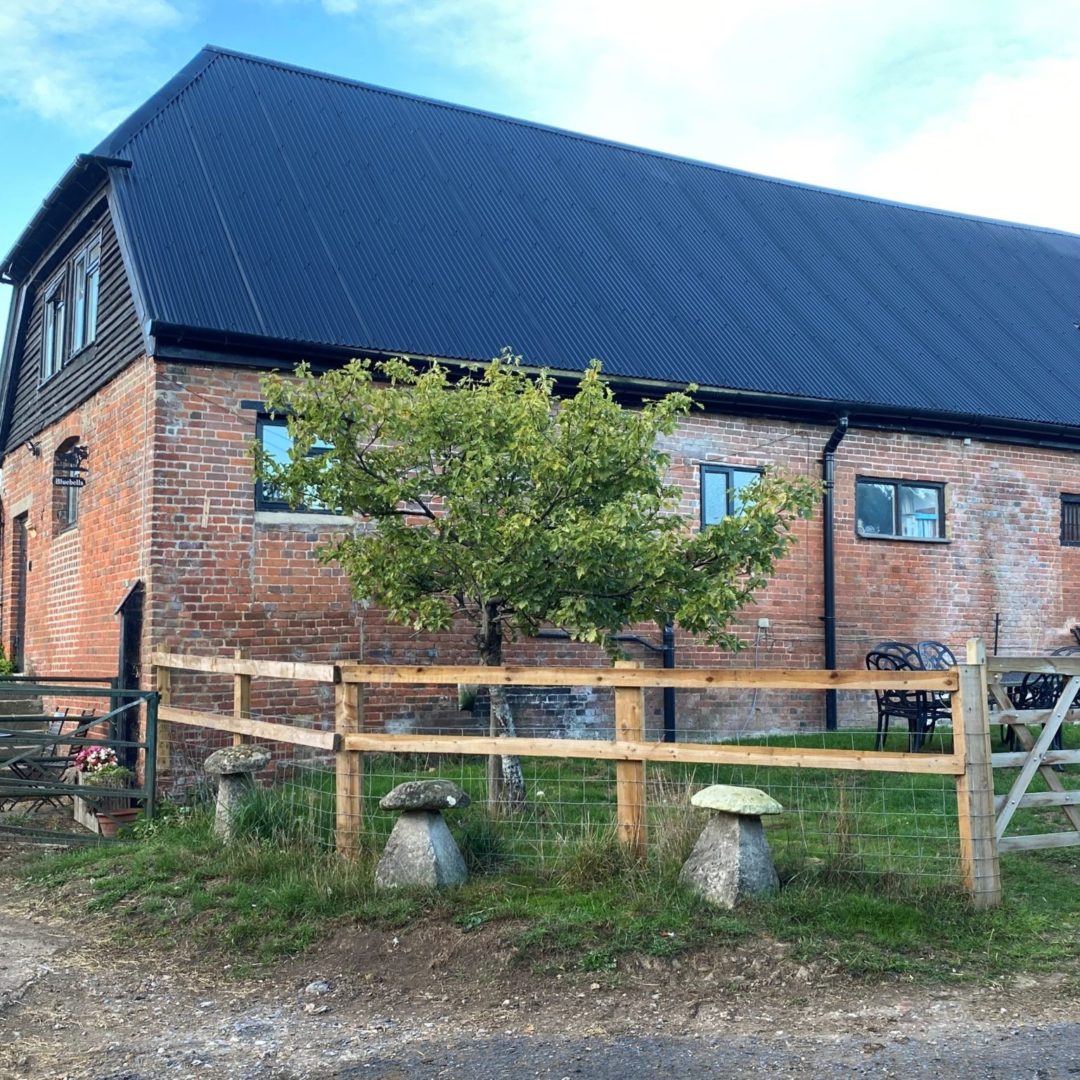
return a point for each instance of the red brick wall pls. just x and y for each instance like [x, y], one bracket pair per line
[221, 576]
[79, 575]
[226, 577]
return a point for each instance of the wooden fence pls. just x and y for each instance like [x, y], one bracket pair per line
[969, 763]
[1037, 755]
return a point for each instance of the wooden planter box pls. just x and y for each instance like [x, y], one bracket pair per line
[86, 812]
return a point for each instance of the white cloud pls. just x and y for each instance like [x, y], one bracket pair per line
[1010, 153]
[80, 62]
[962, 105]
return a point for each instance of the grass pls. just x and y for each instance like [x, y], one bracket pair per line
[867, 863]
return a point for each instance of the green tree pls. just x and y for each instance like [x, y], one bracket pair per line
[491, 499]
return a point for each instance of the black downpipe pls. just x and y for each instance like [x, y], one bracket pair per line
[828, 475]
[666, 649]
[668, 645]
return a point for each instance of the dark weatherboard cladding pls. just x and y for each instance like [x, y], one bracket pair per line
[264, 203]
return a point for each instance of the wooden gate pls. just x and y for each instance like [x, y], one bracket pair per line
[1037, 754]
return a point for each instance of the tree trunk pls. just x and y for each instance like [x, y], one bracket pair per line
[506, 784]
[511, 791]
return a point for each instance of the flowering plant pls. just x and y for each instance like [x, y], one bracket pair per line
[112, 775]
[91, 758]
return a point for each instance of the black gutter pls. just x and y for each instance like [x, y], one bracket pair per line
[828, 476]
[200, 346]
[85, 175]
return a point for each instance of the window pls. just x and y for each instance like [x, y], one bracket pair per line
[85, 273]
[899, 508]
[52, 345]
[720, 488]
[70, 327]
[1070, 520]
[275, 439]
[68, 482]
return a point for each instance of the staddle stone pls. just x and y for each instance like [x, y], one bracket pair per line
[421, 852]
[425, 795]
[736, 800]
[233, 766]
[245, 758]
[731, 860]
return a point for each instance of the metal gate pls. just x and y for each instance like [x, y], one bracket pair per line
[43, 794]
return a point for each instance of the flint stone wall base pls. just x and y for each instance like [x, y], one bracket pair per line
[731, 860]
[421, 852]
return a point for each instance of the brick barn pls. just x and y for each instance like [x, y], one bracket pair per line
[252, 214]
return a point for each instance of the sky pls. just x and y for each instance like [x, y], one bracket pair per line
[966, 105]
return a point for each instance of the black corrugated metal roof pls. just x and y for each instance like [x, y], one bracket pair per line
[292, 206]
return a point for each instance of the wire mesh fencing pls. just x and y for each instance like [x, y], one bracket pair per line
[845, 824]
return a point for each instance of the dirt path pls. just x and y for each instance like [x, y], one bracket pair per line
[438, 1002]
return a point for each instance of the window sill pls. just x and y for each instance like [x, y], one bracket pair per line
[298, 517]
[79, 352]
[905, 539]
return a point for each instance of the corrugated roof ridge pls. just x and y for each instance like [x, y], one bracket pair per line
[635, 149]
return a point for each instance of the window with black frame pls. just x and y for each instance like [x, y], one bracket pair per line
[1070, 520]
[274, 438]
[899, 509]
[721, 488]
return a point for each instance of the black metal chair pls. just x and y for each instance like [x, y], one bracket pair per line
[911, 706]
[935, 655]
[1041, 690]
[907, 655]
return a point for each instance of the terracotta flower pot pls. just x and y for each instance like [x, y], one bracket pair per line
[109, 824]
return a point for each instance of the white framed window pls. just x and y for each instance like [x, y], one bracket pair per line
[52, 338]
[71, 308]
[85, 276]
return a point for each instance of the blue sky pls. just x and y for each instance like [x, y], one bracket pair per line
[963, 104]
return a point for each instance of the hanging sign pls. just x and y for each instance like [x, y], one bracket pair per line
[67, 467]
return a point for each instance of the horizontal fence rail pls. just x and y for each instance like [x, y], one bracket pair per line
[679, 678]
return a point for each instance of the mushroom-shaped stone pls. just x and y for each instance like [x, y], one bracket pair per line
[421, 850]
[729, 799]
[425, 795]
[731, 858]
[233, 765]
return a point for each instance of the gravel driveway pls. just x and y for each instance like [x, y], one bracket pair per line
[431, 1004]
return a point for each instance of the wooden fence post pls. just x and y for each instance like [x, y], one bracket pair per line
[349, 769]
[630, 775]
[241, 699]
[975, 785]
[163, 685]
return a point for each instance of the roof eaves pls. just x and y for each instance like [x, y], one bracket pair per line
[85, 175]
